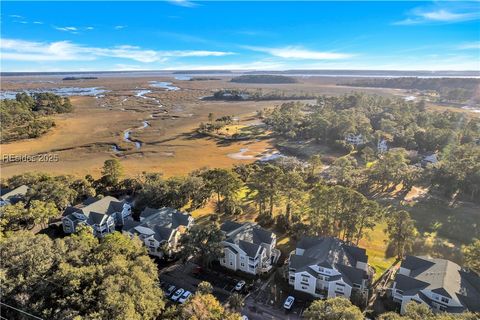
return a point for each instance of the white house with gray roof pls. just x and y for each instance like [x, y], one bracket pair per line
[328, 267]
[441, 284]
[159, 229]
[248, 247]
[103, 215]
[355, 139]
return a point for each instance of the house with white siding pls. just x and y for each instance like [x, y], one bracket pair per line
[328, 267]
[438, 283]
[382, 146]
[248, 248]
[354, 139]
[103, 215]
[159, 229]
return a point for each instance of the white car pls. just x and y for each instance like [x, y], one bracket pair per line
[184, 297]
[170, 290]
[177, 294]
[240, 285]
[289, 302]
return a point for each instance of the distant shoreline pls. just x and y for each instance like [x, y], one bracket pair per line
[297, 73]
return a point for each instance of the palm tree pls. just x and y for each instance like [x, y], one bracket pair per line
[236, 302]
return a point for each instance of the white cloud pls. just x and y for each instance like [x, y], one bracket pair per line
[470, 45]
[183, 3]
[20, 50]
[37, 22]
[444, 13]
[89, 28]
[16, 16]
[68, 29]
[119, 27]
[296, 52]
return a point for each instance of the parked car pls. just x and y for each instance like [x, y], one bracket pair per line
[289, 302]
[184, 297]
[177, 294]
[170, 290]
[240, 285]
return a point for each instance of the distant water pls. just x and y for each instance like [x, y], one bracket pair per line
[126, 137]
[64, 92]
[230, 73]
[184, 78]
[163, 85]
[142, 93]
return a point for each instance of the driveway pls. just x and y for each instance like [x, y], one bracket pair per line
[267, 301]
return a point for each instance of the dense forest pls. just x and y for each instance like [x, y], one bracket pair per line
[26, 116]
[258, 95]
[450, 89]
[263, 78]
[406, 126]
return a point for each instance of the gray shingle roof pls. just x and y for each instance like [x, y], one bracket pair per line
[96, 210]
[248, 236]
[14, 195]
[330, 252]
[165, 217]
[443, 277]
[162, 233]
[412, 262]
[161, 223]
[351, 275]
[251, 249]
[229, 226]
[96, 218]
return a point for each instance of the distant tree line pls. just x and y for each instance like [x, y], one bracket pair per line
[263, 78]
[451, 89]
[259, 95]
[26, 116]
[79, 78]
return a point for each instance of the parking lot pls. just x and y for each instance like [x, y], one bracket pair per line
[266, 302]
[188, 277]
[264, 299]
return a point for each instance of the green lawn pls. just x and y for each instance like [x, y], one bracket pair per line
[375, 243]
[458, 223]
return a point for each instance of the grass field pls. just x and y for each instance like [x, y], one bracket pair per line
[376, 244]
[458, 223]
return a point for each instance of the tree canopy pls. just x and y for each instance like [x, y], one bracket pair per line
[80, 276]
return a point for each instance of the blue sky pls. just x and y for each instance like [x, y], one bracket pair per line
[89, 36]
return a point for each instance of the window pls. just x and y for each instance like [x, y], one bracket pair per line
[304, 288]
[445, 300]
[231, 263]
[305, 278]
[242, 264]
